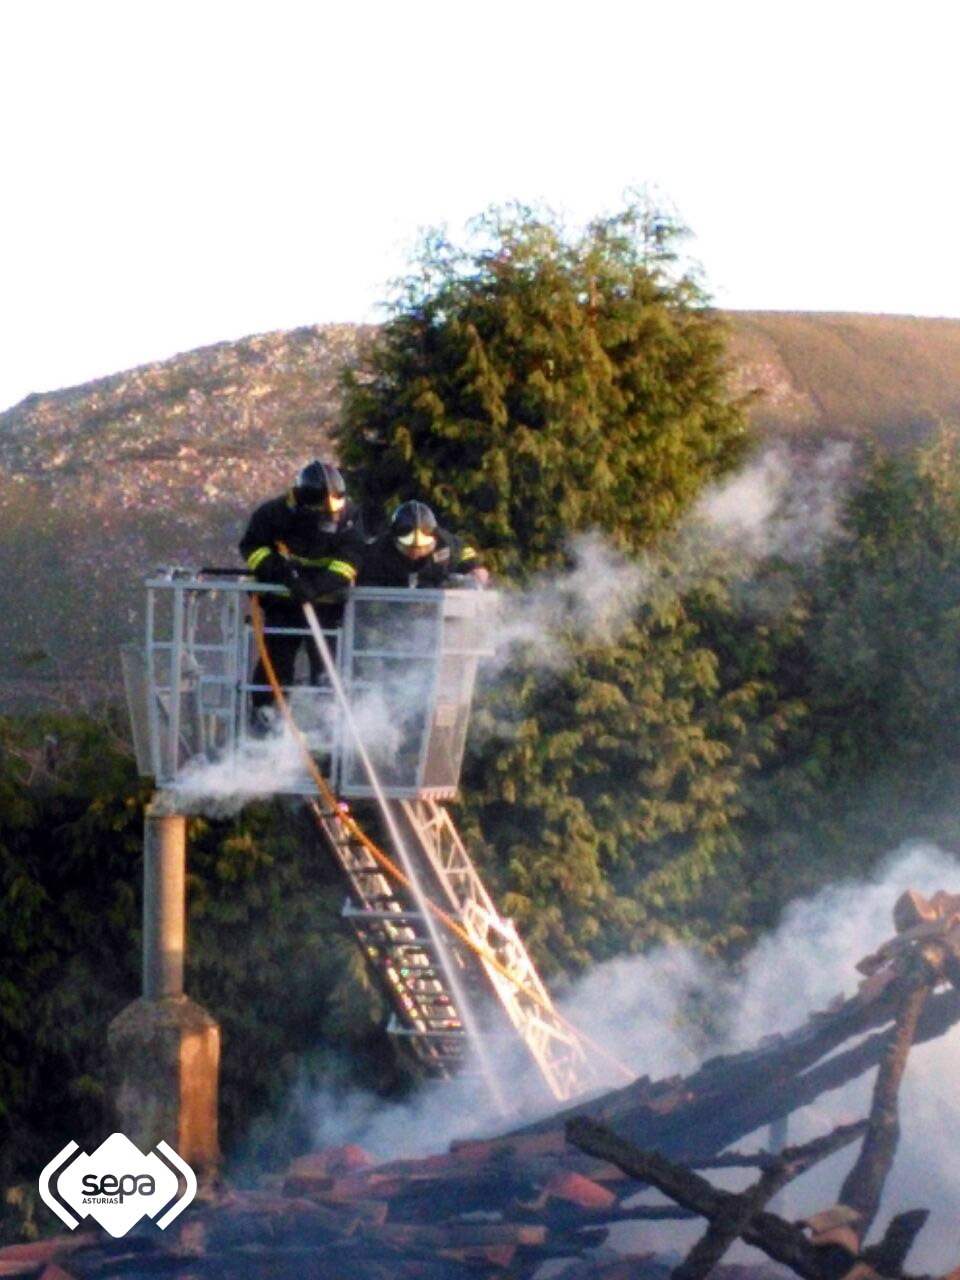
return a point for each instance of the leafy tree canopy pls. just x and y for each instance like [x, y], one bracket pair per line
[872, 759]
[533, 385]
[536, 382]
[267, 956]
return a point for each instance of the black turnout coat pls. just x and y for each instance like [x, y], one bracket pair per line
[283, 539]
[385, 566]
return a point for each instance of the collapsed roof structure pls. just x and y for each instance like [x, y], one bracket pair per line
[553, 1191]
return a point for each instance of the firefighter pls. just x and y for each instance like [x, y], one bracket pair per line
[309, 541]
[416, 552]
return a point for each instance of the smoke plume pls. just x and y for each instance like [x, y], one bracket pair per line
[640, 1010]
[783, 505]
[258, 768]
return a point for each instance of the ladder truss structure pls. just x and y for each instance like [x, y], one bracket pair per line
[553, 1043]
[452, 967]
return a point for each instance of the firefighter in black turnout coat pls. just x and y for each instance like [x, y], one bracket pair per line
[416, 552]
[308, 540]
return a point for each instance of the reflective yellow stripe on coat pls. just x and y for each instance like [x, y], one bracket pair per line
[257, 557]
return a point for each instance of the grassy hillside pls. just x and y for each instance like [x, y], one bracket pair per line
[892, 378]
[102, 484]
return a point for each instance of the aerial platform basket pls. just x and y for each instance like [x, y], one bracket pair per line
[407, 660]
[383, 713]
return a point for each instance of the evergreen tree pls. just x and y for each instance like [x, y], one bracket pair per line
[873, 756]
[537, 383]
[887, 621]
[267, 954]
[531, 387]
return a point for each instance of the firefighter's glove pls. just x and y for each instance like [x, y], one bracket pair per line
[298, 586]
[280, 569]
[273, 568]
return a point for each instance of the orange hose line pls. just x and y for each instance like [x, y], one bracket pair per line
[383, 859]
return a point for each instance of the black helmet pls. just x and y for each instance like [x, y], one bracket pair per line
[320, 487]
[414, 529]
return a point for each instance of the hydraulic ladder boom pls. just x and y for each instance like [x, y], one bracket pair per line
[553, 1043]
[399, 950]
[418, 968]
[388, 724]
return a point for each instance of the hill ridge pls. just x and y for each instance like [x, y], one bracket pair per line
[161, 464]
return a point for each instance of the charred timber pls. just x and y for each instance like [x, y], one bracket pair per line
[694, 1117]
[888, 1256]
[863, 1187]
[730, 1215]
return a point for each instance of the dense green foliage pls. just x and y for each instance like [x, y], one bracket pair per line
[874, 757]
[736, 731]
[266, 956]
[605, 796]
[539, 383]
[69, 844]
[535, 387]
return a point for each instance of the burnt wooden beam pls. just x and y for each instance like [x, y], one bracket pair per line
[783, 1241]
[694, 1117]
[737, 1160]
[731, 1222]
[889, 1254]
[740, 1212]
[863, 1186]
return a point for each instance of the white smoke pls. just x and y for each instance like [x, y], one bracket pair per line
[798, 970]
[274, 763]
[639, 1010]
[820, 940]
[377, 721]
[782, 505]
[813, 956]
[258, 768]
[441, 1112]
[591, 602]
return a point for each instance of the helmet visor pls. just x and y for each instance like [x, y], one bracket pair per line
[418, 539]
[322, 500]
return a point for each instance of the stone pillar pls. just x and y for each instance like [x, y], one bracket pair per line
[164, 1050]
[164, 902]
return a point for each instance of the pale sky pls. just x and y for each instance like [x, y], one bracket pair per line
[179, 174]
